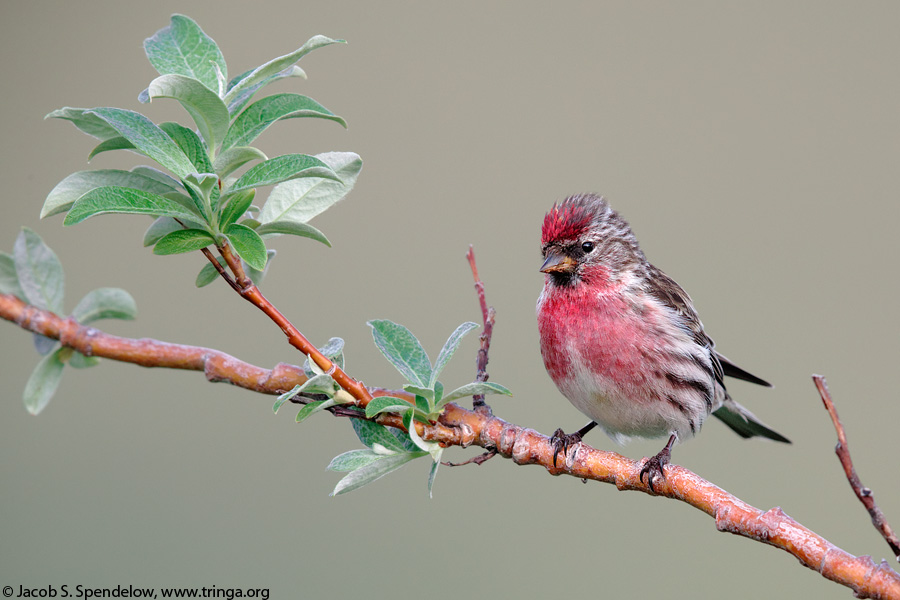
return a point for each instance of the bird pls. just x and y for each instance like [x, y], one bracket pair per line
[622, 341]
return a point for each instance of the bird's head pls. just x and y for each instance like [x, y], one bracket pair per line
[583, 239]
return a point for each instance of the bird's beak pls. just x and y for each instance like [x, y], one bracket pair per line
[557, 262]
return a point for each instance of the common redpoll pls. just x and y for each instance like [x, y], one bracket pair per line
[622, 341]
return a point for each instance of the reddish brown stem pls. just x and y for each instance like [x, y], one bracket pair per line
[843, 452]
[249, 292]
[488, 315]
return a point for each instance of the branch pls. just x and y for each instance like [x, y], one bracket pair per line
[461, 427]
[843, 452]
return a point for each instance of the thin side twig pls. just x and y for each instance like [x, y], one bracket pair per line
[488, 315]
[843, 452]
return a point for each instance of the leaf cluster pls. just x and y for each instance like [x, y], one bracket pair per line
[202, 199]
[34, 274]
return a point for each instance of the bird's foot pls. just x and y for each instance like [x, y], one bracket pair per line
[561, 442]
[653, 468]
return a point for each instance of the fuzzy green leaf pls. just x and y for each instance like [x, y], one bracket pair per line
[436, 458]
[373, 435]
[207, 274]
[149, 139]
[9, 281]
[190, 144]
[183, 240]
[70, 189]
[122, 200]
[299, 200]
[105, 303]
[164, 226]
[333, 350]
[312, 408]
[255, 275]
[248, 245]
[449, 348]
[183, 48]
[274, 67]
[39, 272]
[292, 228]
[43, 382]
[114, 143]
[352, 460]
[386, 404]
[238, 102]
[234, 158]
[372, 471]
[80, 361]
[282, 168]
[263, 113]
[200, 101]
[478, 387]
[235, 206]
[86, 121]
[44, 345]
[430, 447]
[403, 350]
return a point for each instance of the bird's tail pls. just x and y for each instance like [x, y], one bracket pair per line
[744, 422]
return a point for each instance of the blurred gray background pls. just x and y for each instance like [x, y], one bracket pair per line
[754, 151]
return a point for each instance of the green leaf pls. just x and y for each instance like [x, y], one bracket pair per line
[247, 244]
[207, 274]
[105, 303]
[312, 408]
[158, 176]
[149, 139]
[299, 200]
[285, 397]
[419, 391]
[352, 460]
[432, 448]
[274, 67]
[387, 404]
[73, 187]
[255, 275]
[190, 144]
[449, 348]
[183, 240]
[372, 471]
[44, 345]
[404, 439]
[39, 272]
[9, 281]
[235, 206]
[86, 121]
[263, 113]
[282, 168]
[200, 101]
[122, 200]
[80, 361]
[292, 228]
[234, 158]
[333, 349]
[434, 467]
[43, 382]
[114, 143]
[163, 226]
[183, 48]
[319, 384]
[240, 100]
[373, 435]
[403, 351]
[477, 387]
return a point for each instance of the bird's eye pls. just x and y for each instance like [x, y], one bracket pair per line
[587, 247]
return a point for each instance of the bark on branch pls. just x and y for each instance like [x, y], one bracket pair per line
[461, 427]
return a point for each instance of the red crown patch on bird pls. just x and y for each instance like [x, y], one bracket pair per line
[568, 219]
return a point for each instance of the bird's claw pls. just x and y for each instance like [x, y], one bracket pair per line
[561, 442]
[653, 468]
